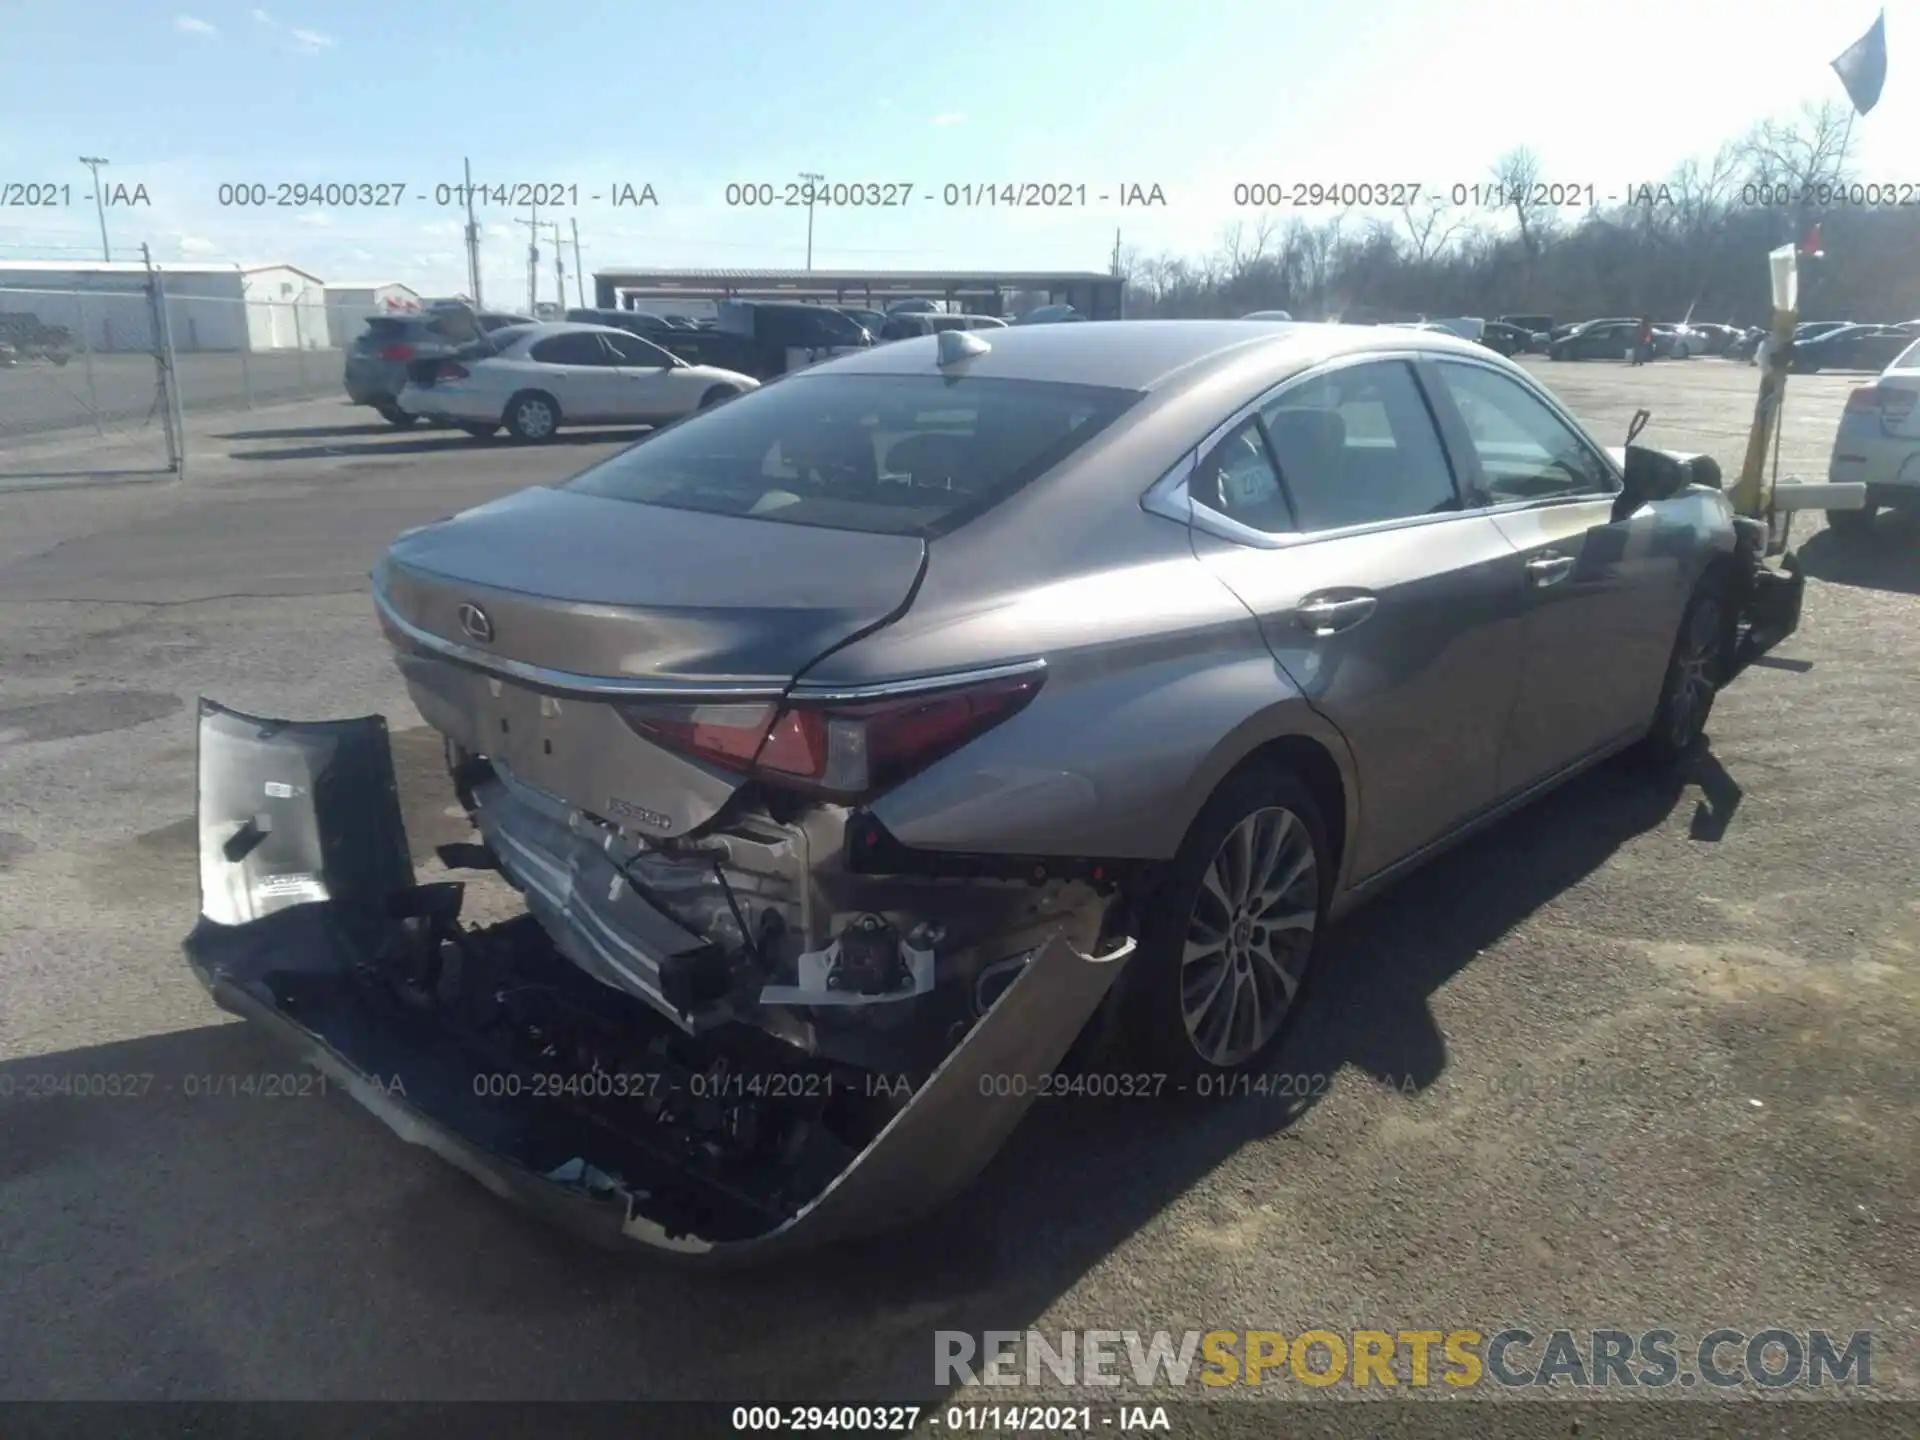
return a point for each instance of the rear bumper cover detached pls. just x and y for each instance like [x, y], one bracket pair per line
[312, 927]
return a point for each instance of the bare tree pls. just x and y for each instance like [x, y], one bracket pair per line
[1808, 149]
[1517, 173]
[1430, 226]
[1699, 241]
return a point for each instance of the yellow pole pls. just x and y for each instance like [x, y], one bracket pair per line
[1753, 493]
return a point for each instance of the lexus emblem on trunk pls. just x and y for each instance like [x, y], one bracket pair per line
[474, 621]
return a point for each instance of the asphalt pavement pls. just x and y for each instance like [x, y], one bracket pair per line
[1641, 1056]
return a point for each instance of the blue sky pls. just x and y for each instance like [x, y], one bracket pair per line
[1193, 97]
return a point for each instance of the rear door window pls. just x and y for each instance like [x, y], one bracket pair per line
[582, 347]
[889, 454]
[1357, 446]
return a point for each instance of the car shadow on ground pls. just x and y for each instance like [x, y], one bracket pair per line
[383, 441]
[319, 432]
[1886, 557]
[185, 1243]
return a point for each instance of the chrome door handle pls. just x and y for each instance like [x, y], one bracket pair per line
[1330, 617]
[1549, 569]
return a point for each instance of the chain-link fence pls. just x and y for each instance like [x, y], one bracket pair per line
[103, 373]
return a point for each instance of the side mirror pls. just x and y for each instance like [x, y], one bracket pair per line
[1651, 475]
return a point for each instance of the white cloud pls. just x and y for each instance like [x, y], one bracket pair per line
[950, 117]
[318, 218]
[194, 26]
[312, 42]
[196, 245]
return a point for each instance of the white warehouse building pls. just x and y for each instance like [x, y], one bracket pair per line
[351, 303]
[209, 307]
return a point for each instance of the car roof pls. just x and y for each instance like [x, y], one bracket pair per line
[545, 329]
[1147, 354]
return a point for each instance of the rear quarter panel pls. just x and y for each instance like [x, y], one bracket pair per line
[1158, 683]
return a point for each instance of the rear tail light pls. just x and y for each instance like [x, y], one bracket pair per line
[1890, 403]
[847, 751]
[451, 370]
[396, 352]
[725, 735]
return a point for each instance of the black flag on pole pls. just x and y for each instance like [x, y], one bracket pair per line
[1863, 68]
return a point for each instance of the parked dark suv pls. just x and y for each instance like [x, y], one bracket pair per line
[377, 363]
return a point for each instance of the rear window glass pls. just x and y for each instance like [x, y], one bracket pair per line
[887, 454]
[1907, 359]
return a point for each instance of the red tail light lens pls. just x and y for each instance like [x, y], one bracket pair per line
[397, 352]
[725, 735]
[839, 751]
[1864, 398]
[851, 751]
[451, 370]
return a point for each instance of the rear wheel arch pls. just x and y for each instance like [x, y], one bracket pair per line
[1313, 764]
[1293, 738]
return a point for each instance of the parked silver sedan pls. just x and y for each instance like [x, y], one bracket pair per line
[535, 378]
[856, 745]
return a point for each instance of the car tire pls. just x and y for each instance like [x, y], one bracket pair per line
[1198, 924]
[480, 432]
[1695, 672]
[1852, 522]
[718, 395]
[394, 415]
[532, 416]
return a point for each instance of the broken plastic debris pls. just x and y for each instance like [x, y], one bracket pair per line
[578, 1173]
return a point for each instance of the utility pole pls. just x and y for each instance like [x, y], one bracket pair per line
[1116, 253]
[812, 180]
[473, 245]
[579, 271]
[533, 262]
[93, 163]
[559, 264]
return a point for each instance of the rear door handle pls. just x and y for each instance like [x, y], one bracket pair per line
[1330, 617]
[1549, 568]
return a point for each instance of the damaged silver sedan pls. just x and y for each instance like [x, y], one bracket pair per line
[861, 745]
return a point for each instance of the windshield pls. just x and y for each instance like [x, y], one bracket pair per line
[886, 454]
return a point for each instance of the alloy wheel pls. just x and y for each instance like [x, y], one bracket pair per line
[535, 419]
[1696, 668]
[1248, 936]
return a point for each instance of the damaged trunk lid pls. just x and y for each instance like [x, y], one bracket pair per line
[561, 634]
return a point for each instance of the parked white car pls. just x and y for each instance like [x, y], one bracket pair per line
[1878, 442]
[533, 379]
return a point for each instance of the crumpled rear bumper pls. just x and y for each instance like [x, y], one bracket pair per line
[309, 896]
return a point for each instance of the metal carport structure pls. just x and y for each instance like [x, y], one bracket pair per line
[985, 292]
